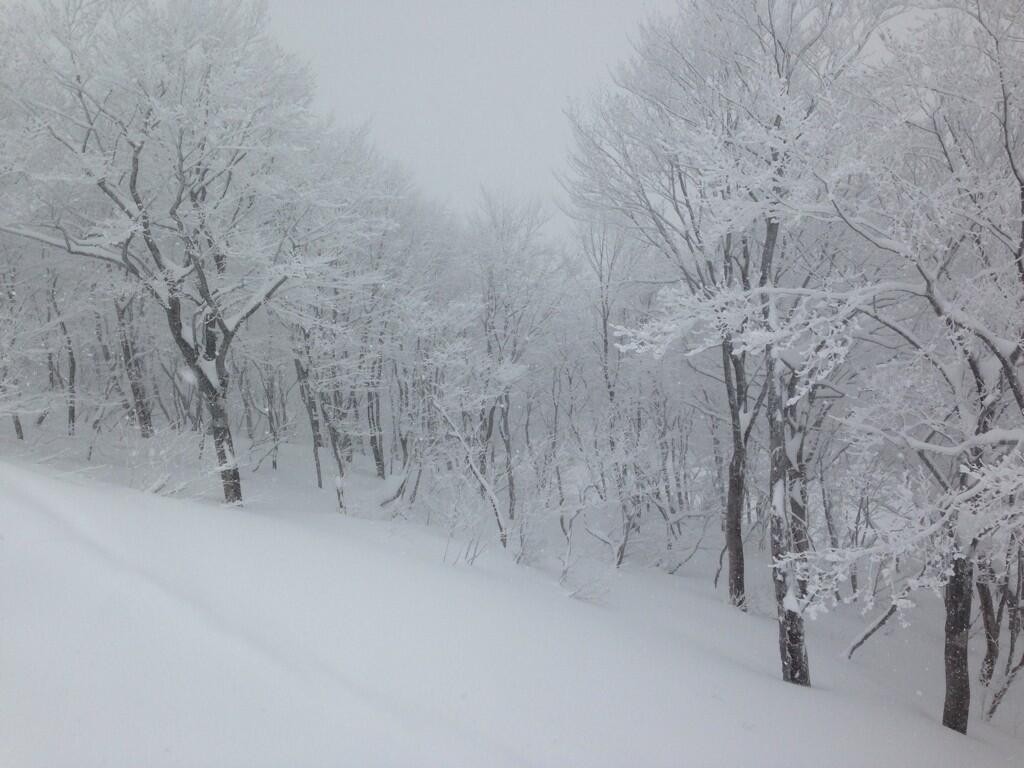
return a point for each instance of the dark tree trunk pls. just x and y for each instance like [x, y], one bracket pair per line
[18, 431]
[734, 527]
[140, 400]
[133, 368]
[957, 598]
[736, 387]
[792, 635]
[226, 459]
[334, 435]
[1013, 608]
[792, 639]
[787, 536]
[990, 621]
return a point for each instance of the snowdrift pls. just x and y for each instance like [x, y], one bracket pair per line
[143, 631]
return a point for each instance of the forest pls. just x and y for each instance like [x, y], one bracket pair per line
[771, 340]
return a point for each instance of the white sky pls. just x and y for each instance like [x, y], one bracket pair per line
[463, 93]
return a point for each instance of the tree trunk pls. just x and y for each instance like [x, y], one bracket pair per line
[734, 527]
[133, 368]
[72, 377]
[792, 641]
[373, 418]
[735, 386]
[226, 460]
[990, 621]
[306, 394]
[334, 436]
[795, 637]
[957, 598]
[505, 430]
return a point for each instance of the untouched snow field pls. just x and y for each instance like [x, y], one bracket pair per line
[139, 631]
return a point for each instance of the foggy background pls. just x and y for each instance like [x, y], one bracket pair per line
[464, 93]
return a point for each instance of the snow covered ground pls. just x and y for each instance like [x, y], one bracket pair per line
[137, 630]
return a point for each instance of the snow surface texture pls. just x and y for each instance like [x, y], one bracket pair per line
[144, 631]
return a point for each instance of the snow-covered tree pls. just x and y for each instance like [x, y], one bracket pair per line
[168, 140]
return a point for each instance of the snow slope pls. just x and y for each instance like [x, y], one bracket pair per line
[143, 631]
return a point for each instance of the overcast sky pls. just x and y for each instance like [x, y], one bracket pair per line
[463, 93]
